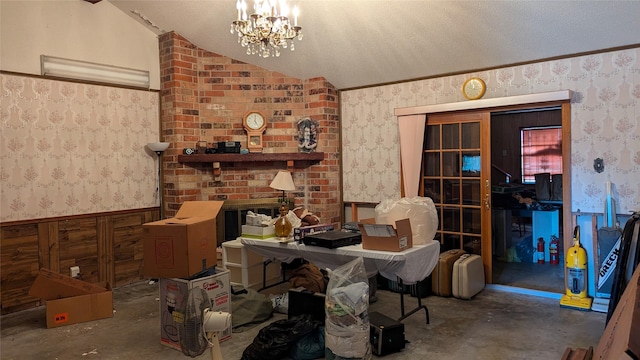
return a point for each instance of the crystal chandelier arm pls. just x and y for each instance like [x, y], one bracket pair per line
[266, 31]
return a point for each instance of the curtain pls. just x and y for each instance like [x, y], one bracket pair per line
[411, 139]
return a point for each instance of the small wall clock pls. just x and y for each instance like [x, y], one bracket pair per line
[254, 123]
[474, 88]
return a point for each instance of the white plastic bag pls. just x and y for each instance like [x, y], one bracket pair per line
[347, 327]
[419, 210]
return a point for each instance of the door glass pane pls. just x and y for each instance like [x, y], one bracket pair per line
[471, 221]
[471, 192]
[450, 163]
[450, 241]
[451, 189]
[432, 137]
[431, 164]
[432, 190]
[471, 135]
[472, 245]
[451, 219]
[471, 164]
[450, 136]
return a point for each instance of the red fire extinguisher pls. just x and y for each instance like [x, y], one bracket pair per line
[553, 250]
[540, 249]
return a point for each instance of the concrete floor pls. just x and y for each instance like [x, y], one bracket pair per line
[529, 275]
[493, 325]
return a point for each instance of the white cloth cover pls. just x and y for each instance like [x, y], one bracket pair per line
[411, 265]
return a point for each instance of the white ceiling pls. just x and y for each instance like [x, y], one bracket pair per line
[356, 43]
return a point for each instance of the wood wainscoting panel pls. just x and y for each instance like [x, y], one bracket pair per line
[49, 248]
[79, 247]
[127, 247]
[106, 247]
[19, 267]
[106, 260]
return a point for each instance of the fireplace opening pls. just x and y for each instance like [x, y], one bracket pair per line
[233, 215]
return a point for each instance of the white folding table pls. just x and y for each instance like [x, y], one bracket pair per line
[407, 267]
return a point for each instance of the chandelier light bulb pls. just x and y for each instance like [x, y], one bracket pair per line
[268, 29]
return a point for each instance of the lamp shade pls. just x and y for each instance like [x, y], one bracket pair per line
[283, 181]
[158, 146]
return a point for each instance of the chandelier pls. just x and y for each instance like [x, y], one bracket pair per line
[268, 29]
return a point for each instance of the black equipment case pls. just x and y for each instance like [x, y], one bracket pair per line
[303, 301]
[332, 239]
[387, 335]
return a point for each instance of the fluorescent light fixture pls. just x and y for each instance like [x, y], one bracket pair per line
[82, 70]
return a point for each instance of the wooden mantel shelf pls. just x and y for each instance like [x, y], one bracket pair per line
[232, 158]
[216, 159]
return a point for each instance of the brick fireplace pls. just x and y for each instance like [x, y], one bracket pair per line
[204, 97]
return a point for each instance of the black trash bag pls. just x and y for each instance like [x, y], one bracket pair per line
[311, 346]
[275, 340]
[525, 250]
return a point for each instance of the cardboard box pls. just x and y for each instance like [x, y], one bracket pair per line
[70, 301]
[258, 232]
[621, 337]
[386, 237]
[300, 232]
[174, 293]
[184, 245]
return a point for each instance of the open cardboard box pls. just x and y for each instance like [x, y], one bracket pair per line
[182, 246]
[386, 237]
[70, 301]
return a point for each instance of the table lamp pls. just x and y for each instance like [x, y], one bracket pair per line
[284, 182]
[159, 148]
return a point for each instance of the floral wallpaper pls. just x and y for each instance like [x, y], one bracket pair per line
[605, 124]
[68, 148]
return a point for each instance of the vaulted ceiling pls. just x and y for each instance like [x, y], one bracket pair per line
[358, 43]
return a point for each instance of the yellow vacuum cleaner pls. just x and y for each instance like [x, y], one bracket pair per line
[576, 276]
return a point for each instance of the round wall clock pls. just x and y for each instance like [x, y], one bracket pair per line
[254, 122]
[474, 88]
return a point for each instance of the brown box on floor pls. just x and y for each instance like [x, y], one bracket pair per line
[70, 301]
[386, 237]
[184, 245]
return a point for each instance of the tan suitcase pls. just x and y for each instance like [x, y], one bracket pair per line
[441, 275]
[467, 277]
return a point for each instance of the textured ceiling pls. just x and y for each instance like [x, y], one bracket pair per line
[356, 43]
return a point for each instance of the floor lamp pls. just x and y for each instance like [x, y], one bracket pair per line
[159, 148]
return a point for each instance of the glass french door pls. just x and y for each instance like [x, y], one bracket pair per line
[456, 174]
